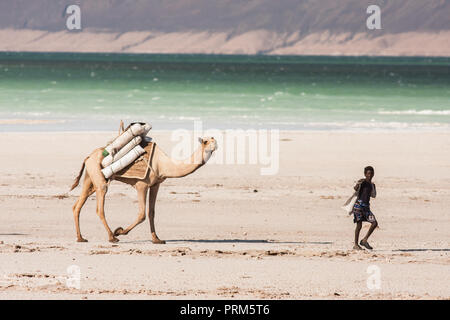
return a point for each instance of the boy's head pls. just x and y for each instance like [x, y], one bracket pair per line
[369, 172]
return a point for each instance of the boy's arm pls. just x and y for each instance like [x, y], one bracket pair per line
[374, 191]
[358, 184]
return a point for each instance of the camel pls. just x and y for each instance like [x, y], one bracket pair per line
[162, 167]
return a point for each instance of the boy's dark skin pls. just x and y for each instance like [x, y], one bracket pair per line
[369, 175]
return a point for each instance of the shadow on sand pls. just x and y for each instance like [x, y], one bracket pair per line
[235, 241]
[420, 250]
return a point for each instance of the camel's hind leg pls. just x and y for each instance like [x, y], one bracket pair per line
[87, 190]
[141, 188]
[101, 187]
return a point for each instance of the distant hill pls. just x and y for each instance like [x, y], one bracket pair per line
[409, 27]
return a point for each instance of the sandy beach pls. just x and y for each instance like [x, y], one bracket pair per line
[231, 233]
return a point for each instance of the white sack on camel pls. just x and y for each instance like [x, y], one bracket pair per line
[125, 149]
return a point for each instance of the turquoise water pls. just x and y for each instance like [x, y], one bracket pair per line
[68, 91]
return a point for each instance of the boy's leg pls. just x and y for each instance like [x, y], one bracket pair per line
[364, 242]
[372, 227]
[357, 230]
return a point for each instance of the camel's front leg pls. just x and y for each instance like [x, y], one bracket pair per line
[141, 188]
[151, 213]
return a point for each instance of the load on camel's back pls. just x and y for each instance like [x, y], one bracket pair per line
[125, 148]
[133, 158]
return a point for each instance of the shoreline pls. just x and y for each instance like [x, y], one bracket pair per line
[317, 131]
[53, 56]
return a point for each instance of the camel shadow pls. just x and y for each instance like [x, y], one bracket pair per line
[248, 241]
[245, 241]
[13, 234]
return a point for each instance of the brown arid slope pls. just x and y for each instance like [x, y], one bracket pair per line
[412, 27]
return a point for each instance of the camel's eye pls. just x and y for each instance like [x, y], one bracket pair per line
[205, 142]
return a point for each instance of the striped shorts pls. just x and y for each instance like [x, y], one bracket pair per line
[361, 212]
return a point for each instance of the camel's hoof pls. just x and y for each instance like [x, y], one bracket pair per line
[81, 240]
[114, 240]
[157, 241]
[118, 231]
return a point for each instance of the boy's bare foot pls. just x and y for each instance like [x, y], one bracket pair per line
[356, 247]
[365, 244]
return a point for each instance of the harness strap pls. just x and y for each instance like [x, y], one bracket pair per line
[150, 160]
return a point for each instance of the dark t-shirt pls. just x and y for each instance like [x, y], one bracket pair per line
[365, 191]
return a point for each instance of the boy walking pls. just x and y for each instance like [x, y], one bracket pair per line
[361, 210]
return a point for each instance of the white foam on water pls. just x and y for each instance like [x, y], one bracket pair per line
[30, 121]
[377, 125]
[416, 112]
[31, 113]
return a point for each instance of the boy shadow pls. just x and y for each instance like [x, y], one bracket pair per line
[421, 250]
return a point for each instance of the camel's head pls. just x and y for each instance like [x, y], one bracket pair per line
[209, 145]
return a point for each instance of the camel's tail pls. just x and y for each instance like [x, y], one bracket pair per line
[77, 179]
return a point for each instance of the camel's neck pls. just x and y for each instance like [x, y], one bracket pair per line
[169, 168]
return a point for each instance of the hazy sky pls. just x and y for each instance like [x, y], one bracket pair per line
[238, 16]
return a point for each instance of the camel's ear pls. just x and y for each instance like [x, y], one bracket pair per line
[200, 140]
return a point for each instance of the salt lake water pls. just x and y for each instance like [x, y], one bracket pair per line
[94, 91]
